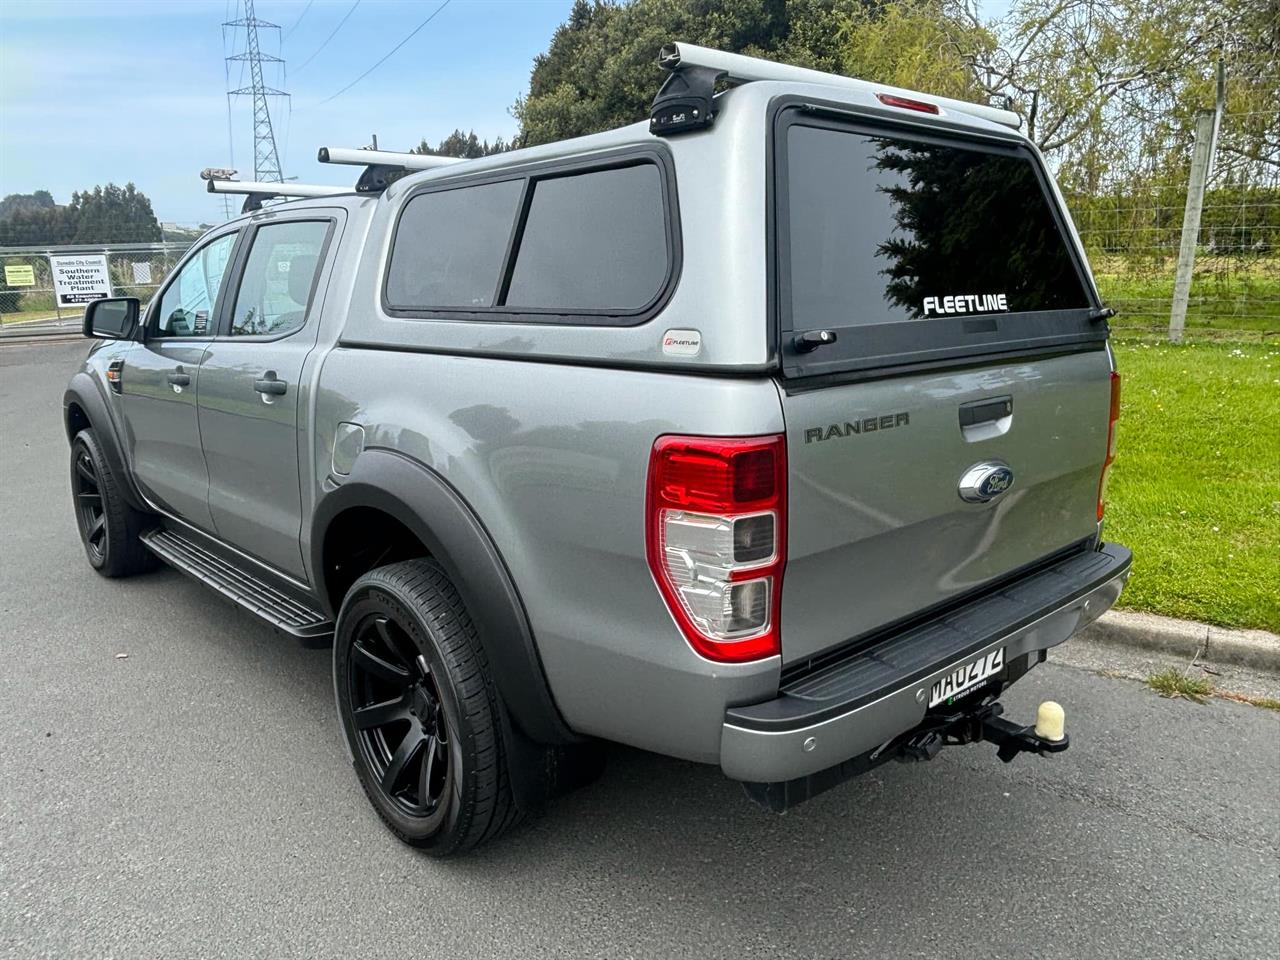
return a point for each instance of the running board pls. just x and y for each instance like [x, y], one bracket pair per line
[282, 611]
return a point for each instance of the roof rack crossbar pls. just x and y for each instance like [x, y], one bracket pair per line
[256, 192]
[736, 68]
[382, 167]
[391, 158]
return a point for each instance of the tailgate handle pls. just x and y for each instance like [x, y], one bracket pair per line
[984, 411]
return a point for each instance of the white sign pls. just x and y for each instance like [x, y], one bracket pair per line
[80, 279]
[142, 272]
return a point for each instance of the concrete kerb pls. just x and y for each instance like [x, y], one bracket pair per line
[1257, 649]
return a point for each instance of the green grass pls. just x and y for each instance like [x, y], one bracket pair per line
[1266, 703]
[1195, 489]
[1173, 683]
[36, 313]
[1228, 299]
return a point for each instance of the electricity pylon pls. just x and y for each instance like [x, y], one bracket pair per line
[266, 159]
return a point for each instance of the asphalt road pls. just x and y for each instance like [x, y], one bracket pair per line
[194, 800]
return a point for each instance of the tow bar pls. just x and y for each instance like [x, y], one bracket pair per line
[1047, 735]
[969, 725]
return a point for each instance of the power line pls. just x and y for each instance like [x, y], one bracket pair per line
[300, 16]
[329, 37]
[389, 53]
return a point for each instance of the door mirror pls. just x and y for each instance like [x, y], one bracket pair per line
[111, 318]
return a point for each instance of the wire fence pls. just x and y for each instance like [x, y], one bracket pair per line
[1132, 228]
[44, 287]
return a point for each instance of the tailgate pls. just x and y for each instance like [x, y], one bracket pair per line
[877, 528]
[945, 382]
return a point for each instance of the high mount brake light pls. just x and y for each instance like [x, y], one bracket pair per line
[1111, 442]
[889, 100]
[715, 536]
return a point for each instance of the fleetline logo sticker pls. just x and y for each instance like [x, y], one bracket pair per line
[966, 303]
[682, 343]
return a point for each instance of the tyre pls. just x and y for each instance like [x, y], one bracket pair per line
[109, 526]
[419, 710]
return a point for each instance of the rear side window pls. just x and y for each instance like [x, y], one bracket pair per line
[279, 278]
[586, 246]
[449, 246]
[913, 247]
[595, 241]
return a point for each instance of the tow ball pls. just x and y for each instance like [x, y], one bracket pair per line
[1047, 735]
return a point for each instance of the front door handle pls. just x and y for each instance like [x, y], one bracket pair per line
[269, 385]
[179, 378]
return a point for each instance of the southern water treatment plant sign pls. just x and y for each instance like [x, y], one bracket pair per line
[78, 280]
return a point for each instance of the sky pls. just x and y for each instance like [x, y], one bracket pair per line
[98, 91]
[94, 91]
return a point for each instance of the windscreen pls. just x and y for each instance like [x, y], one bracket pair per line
[889, 229]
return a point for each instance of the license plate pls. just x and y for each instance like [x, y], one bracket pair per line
[967, 676]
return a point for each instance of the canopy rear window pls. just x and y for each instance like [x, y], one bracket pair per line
[914, 247]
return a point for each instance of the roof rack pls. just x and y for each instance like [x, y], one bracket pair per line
[381, 166]
[685, 100]
[256, 193]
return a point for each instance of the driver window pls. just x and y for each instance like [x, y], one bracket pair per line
[186, 308]
[276, 287]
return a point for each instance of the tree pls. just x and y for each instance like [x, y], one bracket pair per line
[928, 45]
[113, 214]
[1112, 86]
[23, 202]
[465, 145]
[601, 69]
[109, 214]
[1105, 87]
[36, 226]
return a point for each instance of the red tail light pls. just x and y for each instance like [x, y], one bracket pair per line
[1111, 441]
[716, 537]
[889, 100]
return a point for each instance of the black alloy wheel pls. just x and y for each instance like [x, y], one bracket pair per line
[402, 729]
[109, 527]
[91, 513]
[420, 711]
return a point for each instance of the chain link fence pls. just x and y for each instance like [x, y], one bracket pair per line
[29, 296]
[1132, 227]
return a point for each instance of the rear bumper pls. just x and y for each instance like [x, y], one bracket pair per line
[857, 703]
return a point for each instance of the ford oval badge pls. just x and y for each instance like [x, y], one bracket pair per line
[985, 481]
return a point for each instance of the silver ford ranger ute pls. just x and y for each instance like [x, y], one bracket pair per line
[772, 433]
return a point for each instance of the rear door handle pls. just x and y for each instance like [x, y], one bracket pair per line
[270, 385]
[179, 378]
[986, 419]
[984, 411]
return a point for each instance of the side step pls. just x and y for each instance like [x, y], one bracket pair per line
[283, 611]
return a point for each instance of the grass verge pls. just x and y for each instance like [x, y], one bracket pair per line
[1174, 684]
[1195, 490]
[1266, 703]
[38, 313]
